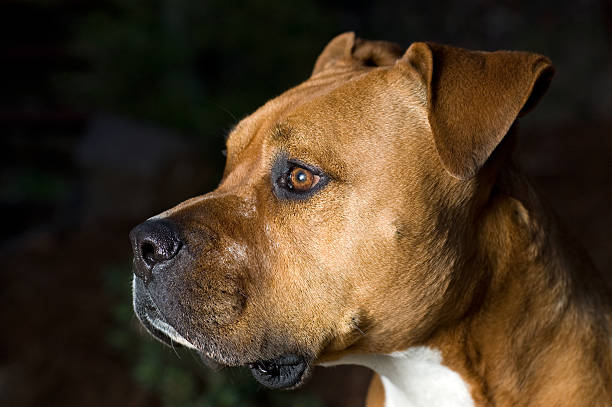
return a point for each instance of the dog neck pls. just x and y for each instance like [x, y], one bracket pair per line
[540, 335]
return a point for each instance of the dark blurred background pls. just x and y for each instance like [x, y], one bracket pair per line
[111, 111]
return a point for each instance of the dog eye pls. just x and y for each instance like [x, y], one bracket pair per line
[296, 180]
[302, 180]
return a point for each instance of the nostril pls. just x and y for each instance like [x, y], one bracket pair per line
[147, 250]
[154, 242]
[156, 250]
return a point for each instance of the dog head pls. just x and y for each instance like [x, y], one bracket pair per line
[343, 222]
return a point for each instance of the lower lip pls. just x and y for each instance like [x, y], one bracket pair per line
[284, 372]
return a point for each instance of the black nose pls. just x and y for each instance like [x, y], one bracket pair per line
[153, 242]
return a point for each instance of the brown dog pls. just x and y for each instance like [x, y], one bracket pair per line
[372, 215]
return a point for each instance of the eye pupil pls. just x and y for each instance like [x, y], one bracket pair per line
[301, 179]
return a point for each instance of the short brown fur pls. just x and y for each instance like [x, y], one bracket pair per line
[425, 235]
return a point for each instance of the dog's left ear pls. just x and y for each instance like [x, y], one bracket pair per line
[474, 97]
[348, 51]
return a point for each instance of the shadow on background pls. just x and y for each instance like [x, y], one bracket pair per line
[111, 111]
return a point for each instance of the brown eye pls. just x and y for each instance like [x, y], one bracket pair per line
[300, 179]
[295, 180]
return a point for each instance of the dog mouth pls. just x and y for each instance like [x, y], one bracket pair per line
[153, 320]
[286, 372]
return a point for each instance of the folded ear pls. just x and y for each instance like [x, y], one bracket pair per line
[347, 51]
[474, 98]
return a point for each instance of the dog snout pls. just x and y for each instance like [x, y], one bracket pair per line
[153, 242]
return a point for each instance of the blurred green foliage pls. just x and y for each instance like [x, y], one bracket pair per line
[176, 375]
[33, 185]
[200, 66]
[182, 63]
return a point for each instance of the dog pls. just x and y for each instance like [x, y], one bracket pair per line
[373, 215]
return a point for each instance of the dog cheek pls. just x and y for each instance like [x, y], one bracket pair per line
[200, 297]
[216, 303]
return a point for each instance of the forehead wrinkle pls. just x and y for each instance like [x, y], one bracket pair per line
[260, 123]
[281, 132]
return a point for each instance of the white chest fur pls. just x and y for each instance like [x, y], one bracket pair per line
[415, 378]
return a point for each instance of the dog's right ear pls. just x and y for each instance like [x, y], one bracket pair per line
[348, 51]
[474, 97]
